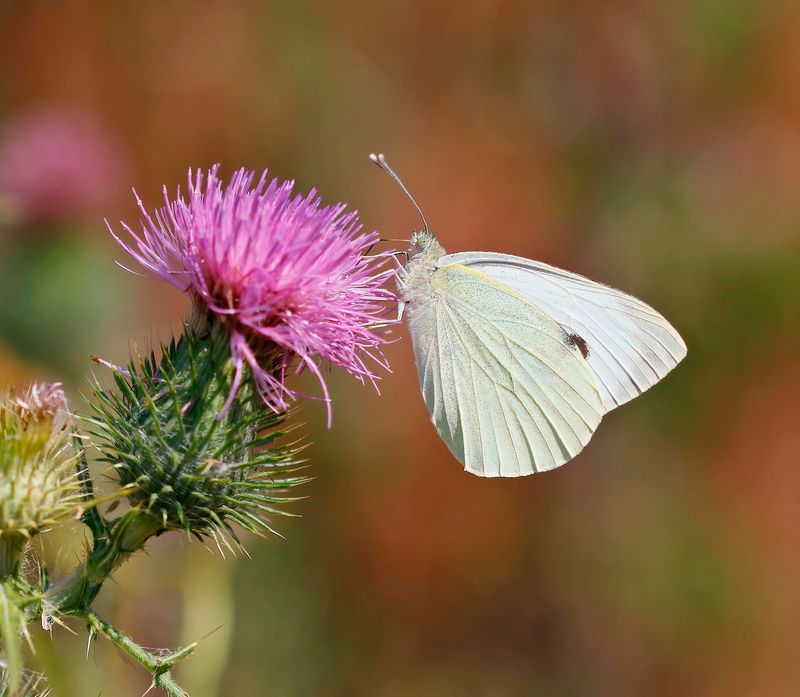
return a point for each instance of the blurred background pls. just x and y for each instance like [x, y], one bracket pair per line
[651, 145]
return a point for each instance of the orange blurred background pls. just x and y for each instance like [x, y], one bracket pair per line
[654, 146]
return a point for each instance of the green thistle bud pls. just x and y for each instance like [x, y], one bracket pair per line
[38, 481]
[195, 463]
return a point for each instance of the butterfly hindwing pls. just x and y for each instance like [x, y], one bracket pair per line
[507, 390]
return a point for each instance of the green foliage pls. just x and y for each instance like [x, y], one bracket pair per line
[53, 276]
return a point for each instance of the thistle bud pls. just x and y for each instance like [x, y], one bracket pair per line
[192, 461]
[38, 482]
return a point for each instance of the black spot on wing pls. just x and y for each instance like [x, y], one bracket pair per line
[577, 340]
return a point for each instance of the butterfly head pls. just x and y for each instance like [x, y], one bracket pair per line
[425, 242]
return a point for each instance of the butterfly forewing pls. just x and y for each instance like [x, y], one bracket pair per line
[628, 345]
[507, 390]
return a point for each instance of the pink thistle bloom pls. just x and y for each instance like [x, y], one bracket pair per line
[57, 163]
[289, 277]
[41, 401]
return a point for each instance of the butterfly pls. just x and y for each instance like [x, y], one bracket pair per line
[518, 361]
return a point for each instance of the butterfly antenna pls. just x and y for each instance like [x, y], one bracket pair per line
[380, 160]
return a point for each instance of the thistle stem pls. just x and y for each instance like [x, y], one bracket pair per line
[11, 547]
[122, 538]
[158, 666]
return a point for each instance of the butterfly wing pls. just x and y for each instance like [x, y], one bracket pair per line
[630, 345]
[506, 391]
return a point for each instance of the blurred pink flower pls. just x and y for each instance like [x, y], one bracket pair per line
[57, 163]
[279, 269]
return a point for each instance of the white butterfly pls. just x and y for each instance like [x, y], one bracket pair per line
[518, 361]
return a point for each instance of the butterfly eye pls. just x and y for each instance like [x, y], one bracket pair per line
[421, 240]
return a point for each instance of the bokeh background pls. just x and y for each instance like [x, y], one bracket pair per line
[652, 145]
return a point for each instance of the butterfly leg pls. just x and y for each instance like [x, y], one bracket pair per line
[402, 277]
[401, 268]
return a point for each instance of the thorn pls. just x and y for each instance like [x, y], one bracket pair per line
[92, 634]
[213, 631]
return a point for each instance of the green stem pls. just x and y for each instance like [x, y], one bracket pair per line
[11, 548]
[10, 624]
[158, 666]
[122, 538]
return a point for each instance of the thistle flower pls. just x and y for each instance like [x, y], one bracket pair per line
[41, 402]
[38, 483]
[288, 277]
